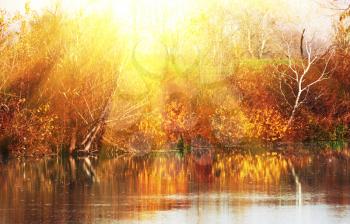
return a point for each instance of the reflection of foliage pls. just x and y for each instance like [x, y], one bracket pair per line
[262, 168]
[121, 179]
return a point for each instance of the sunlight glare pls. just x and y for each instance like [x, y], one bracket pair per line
[134, 16]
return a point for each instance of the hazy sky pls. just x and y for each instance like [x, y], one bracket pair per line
[310, 14]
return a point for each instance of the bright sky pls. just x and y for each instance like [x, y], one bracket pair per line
[309, 13]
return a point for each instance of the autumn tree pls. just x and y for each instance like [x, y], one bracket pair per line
[301, 75]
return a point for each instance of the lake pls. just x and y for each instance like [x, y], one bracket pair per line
[199, 187]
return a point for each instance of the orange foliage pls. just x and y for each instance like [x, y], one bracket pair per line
[229, 124]
[267, 124]
[151, 127]
[34, 130]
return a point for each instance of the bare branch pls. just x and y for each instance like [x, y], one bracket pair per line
[284, 95]
[299, 81]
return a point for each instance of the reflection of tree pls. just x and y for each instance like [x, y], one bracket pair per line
[58, 189]
[329, 171]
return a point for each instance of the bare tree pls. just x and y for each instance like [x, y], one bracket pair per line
[257, 33]
[297, 80]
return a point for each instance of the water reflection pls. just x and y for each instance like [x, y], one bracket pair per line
[199, 187]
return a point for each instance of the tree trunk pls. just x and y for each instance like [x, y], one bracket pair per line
[295, 107]
[97, 129]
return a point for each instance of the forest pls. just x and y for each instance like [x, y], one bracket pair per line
[225, 74]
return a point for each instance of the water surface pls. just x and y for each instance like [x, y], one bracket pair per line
[201, 187]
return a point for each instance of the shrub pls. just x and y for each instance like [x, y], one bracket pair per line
[267, 124]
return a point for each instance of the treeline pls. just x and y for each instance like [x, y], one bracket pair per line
[75, 82]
